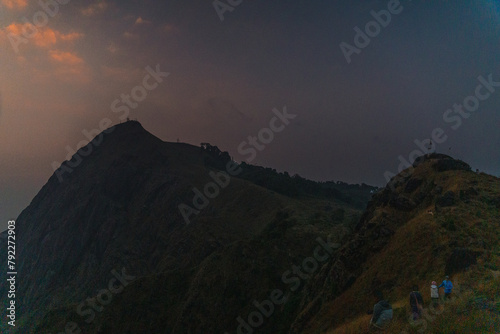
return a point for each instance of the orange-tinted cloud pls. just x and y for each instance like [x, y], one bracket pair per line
[140, 20]
[65, 57]
[95, 9]
[63, 66]
[70, 37]
[48, 56]
[12, 35]
[14, 28]
[43, 37]
[14, 4]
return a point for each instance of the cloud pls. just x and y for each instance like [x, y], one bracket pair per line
[11, 29]
[61, 66]
[14, 4]
[43, 38]
[46, 56]
[95, 9]
[71, 36]
[48, 37]
[65, 57]
[140, 20]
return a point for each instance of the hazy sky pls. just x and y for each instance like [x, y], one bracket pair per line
[353, 119]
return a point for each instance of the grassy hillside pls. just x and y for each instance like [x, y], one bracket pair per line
[439, 233]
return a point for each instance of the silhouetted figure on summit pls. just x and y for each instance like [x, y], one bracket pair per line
[429, 148]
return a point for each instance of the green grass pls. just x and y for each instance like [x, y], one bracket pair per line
[417, 254]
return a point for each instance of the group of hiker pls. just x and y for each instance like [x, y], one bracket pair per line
[382, 311]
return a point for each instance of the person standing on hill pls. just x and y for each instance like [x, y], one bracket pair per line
[416, 303]
[434, 293]
[448, 286]
[382, 313]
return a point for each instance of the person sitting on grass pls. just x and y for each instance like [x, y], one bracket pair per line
[382, 312]
[416, 303]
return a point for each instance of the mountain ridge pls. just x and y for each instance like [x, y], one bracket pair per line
[117, 212]
[118, 208]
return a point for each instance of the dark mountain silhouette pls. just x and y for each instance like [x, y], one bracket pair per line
[118, 210]
[108, 250]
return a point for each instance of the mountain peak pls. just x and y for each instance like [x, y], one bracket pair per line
[128, 128]
[129, 125]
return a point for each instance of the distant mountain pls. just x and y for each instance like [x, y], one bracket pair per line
[105, 248]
